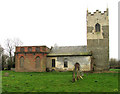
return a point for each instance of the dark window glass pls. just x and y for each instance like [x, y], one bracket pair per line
[29, 49]
[22, 49]
[21, 61]
[37, 49]
[37, 62]
[53, 62]
[65, 62]
[97, 27]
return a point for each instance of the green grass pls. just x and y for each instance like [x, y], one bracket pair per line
[115, 70]
[58, 82]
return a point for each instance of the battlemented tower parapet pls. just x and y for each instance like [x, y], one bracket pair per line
[98, 38]
[97, 19]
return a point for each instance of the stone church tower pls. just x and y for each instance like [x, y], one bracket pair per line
[98, 39]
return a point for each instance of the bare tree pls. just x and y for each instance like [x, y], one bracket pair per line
[1, 52]
[17, 42]
[114, 63]
[10, 46]
[4, 61]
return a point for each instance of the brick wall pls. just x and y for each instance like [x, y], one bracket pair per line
[29, 64]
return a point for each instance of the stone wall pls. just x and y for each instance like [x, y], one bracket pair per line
[84, 61]
[98, 42]
[97, 17]
[100, 52]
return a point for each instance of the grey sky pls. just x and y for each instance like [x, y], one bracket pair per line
[46, 22]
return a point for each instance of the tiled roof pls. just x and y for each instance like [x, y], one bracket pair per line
[69, 50]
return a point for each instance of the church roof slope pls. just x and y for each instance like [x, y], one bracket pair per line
[69, 50]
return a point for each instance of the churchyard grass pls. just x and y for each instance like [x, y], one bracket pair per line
[58, 82]
[114, 69]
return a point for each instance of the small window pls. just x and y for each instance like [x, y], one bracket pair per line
[97, 27]
[22, 49]
[37, 49]
[21, 61]
[29, 49]
[53, 62]
[65, 62]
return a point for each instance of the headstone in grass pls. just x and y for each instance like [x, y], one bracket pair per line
[6, 74]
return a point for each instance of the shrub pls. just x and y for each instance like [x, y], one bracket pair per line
[47, 69]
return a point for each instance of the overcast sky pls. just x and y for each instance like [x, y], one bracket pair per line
[46, 22]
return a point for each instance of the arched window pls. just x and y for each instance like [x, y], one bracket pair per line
[21, 61]
[37, 62]
[97, 27]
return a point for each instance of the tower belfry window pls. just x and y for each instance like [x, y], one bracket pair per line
[97, 27]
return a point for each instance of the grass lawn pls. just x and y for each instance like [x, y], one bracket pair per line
[58, 82]
[115, 70]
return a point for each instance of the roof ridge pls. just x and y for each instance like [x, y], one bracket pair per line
[73, 46]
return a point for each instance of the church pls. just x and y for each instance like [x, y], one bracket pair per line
[92, 57]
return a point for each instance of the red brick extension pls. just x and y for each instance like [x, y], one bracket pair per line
[31, 58]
